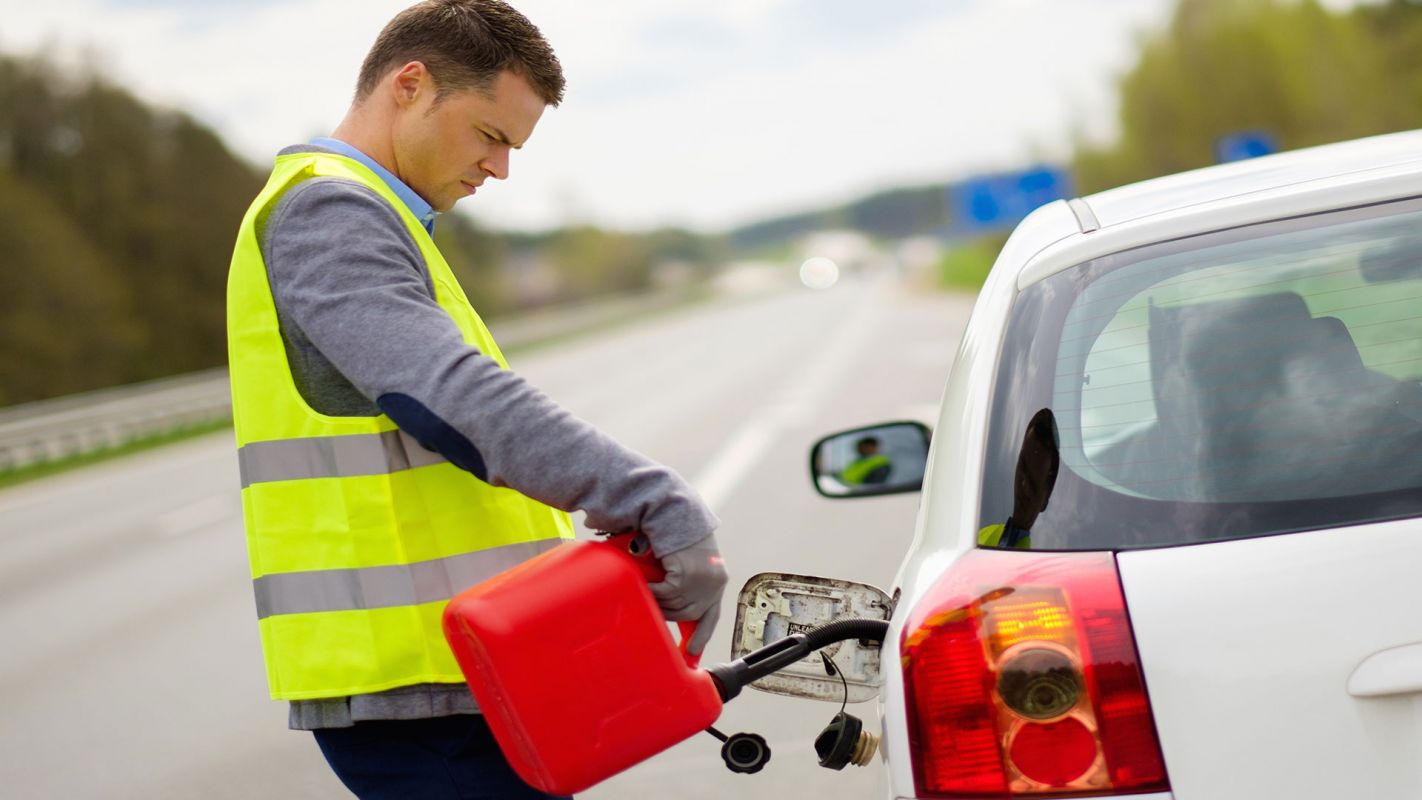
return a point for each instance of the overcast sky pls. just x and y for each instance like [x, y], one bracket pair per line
[705, 113]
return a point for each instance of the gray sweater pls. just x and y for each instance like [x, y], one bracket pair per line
[364, 335]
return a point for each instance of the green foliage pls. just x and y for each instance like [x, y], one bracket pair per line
[1306, 74]
[116, 219]
[66, 320]
[12, 477]
[891, 214]
[476, 257]
[576, 263]
[700, 252]
[117, 227]
[967, 264]
[591, 260]
[117, 223]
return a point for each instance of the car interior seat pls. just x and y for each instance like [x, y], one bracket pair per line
[1264, 400]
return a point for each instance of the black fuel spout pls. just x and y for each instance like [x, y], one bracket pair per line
[733, 676]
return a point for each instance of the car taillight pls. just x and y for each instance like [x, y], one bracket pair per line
[1022, 679]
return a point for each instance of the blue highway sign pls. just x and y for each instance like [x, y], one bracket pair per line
[1245, 144]
[997, 202]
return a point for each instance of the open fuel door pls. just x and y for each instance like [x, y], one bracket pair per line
[773, 605]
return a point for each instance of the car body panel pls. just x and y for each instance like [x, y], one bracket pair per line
[1248, 646]
[1328, 194]
[1240, 179]
[952, 481]
[1059, 236]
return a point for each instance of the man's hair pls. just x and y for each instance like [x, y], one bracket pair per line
[464, 44]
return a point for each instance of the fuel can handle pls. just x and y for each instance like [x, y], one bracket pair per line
[638, 548]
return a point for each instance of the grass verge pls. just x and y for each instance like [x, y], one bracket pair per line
[13, 477]
[967, 265]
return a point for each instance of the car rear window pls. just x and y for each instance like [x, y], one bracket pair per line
[1247, 382]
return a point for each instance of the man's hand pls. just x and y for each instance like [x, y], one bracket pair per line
[696, 579]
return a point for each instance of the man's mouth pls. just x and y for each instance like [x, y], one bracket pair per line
[468, 187]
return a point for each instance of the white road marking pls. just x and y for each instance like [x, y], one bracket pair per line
[798, 397]
[733, 461]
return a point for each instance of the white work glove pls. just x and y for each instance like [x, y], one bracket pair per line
[696, 579]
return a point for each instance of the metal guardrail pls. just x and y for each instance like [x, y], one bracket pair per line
[50, 430]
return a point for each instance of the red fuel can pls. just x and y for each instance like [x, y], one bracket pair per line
[573, 665]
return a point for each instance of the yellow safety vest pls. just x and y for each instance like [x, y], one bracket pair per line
[357, 535]
[856, 473]
[991, 536]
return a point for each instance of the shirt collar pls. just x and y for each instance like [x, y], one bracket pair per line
[422, 210]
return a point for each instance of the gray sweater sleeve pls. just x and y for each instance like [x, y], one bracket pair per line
[350, 284]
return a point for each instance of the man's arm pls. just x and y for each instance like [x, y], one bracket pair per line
[348, 277]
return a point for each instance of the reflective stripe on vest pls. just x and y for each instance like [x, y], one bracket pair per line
[332, 457]
[357, 535]
[392, 585]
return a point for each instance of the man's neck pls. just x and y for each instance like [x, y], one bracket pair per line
[364, 137]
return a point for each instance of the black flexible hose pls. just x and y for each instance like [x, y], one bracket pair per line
[733, 676]
[872, 630]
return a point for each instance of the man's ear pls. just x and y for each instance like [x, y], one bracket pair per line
[410, 83]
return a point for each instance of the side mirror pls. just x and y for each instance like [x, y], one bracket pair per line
[878, 459]
[773, 605]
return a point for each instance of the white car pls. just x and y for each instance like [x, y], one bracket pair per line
[1170, 540]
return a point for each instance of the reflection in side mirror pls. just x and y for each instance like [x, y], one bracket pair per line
[879, 459]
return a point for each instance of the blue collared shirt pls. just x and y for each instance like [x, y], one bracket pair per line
[423, 211]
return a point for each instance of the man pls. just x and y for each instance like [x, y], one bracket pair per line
[389, 458]
[1033, 481]
[869, 466]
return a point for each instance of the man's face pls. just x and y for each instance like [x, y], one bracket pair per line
[445, 150]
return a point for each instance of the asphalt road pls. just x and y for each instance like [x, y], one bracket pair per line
[129, 660]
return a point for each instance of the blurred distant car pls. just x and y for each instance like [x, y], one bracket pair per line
[1169, 542]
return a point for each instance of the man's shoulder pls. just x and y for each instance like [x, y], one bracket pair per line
[326, 203]
[325, 220]
[315, 194]
[318, 194]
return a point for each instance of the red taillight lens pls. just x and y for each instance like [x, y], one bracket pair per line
[1022, 679]
[1054, 753]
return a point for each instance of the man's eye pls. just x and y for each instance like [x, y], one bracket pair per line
[485, 135]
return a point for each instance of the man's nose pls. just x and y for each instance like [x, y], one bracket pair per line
[496, 164]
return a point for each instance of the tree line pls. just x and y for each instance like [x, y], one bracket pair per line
[1293, 68]
[1302, 73]
[117, 219]
[117, 222]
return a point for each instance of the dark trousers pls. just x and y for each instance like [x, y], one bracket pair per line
[446, 758]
